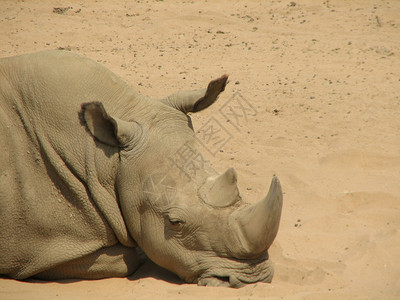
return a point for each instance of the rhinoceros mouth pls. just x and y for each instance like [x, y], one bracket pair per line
[237, 273]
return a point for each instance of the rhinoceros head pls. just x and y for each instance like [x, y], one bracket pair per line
[194, 223]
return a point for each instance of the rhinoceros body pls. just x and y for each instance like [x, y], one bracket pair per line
[78, 196]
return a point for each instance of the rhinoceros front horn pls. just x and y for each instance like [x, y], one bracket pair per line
[256, 226]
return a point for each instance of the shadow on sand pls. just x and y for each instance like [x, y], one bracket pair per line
[146, 270]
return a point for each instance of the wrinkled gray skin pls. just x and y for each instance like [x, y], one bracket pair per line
[80, 150]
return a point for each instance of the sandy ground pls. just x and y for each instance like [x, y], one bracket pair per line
[321, 81]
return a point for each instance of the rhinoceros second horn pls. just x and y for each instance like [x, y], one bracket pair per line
[221, 190]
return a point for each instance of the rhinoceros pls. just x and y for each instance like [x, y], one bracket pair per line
[85, 167]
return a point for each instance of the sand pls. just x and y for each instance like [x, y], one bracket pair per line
[320, 81]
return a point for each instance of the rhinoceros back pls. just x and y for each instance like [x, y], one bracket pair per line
[50, 189]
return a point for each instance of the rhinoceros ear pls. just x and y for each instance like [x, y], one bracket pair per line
[194, 101]
[108, 130]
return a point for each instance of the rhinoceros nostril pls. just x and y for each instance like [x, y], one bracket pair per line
[234, 282]
[214, 281]
[223, 278]
[227, 281]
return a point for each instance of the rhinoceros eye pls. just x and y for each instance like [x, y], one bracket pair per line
[175, 222]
